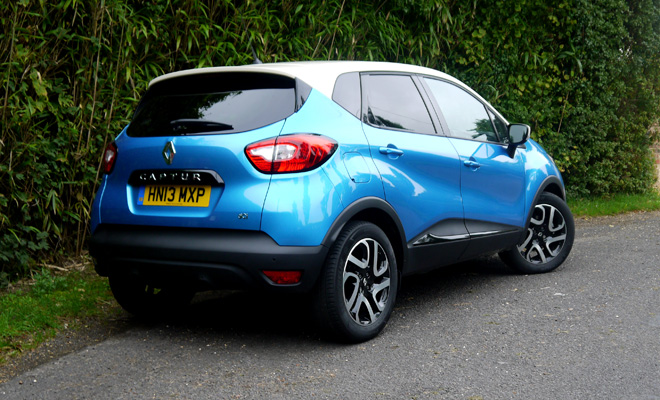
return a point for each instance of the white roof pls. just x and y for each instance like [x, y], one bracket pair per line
[322, 75]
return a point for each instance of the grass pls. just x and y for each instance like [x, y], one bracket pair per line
[617, 204]
[34, 311]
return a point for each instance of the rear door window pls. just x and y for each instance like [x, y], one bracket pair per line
[394, 102]
[213, 104]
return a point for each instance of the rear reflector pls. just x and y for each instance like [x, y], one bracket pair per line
[109, 157]
[284, 277]
[290, 153]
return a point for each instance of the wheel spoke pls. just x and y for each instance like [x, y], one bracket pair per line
[527, 240]
[383, 268]
[538, 221]
[536, 250]
[380, 287]
[349, 275]
[379, 267]
[363, 303]
[556, 239]
[551, 220]
[376, 290]
[350, 300]
[355, 309]
[362, 264]
[555, 250]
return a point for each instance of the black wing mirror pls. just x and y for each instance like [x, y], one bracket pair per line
[518, 134]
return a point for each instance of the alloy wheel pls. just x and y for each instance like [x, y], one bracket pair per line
[366, 281]
[546, 235]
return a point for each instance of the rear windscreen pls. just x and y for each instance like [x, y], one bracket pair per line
[213, 104]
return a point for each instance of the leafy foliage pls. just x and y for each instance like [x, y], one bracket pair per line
[583, 73]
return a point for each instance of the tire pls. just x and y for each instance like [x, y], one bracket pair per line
[548, 241]
[145, 300]
[358, 284]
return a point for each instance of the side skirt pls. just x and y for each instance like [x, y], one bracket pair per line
[455, 240]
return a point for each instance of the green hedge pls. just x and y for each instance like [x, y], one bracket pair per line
[584, 74]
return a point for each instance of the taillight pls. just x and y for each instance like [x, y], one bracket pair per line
[290, 153]
[109, 158]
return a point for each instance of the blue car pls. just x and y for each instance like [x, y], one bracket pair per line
[331, 179]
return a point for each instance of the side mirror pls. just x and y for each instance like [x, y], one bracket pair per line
[518, 134]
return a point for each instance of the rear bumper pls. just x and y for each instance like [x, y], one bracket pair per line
[206, 258]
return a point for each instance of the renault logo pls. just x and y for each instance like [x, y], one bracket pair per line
[169, 152]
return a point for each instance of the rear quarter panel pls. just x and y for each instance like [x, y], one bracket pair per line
[300, 208]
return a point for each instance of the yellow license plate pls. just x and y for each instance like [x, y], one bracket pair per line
[175, 195]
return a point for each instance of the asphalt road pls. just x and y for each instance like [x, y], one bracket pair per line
[590, 330]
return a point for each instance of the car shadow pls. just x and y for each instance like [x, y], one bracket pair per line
[291, 317]
[455, 276]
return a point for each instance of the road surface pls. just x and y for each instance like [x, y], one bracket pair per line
[590, 330]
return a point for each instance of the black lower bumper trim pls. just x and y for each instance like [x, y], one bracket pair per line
[209, 258]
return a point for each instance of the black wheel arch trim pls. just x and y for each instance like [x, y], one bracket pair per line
[363, 205]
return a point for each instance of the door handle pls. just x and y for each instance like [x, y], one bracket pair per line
[390, 151]
[472, 164]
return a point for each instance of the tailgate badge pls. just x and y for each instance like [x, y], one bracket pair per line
[169, 152]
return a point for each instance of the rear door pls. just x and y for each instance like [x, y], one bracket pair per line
[419, 168]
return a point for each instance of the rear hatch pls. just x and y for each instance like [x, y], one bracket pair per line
[181, 161]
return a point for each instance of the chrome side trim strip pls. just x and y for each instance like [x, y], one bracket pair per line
[430, 238]
[479, 234]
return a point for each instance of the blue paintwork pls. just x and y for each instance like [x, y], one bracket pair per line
[492, 183]
[300, 208]
[426, 178]
[421, 180]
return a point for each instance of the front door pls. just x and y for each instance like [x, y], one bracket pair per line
[492, 182]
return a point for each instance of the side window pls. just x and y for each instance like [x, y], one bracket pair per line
[500, 128]
[347, 92]
[466, 116]
[393, 102]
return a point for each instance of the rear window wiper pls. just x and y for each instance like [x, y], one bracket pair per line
[185, 126]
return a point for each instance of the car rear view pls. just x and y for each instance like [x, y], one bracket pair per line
[180, 205]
